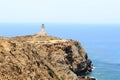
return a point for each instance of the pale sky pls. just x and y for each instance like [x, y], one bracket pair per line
[60, 11]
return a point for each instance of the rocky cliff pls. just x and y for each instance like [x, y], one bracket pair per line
[43, 58]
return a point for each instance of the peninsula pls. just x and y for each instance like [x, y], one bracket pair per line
[43, 57]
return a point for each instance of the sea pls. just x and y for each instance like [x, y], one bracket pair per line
[101, 42]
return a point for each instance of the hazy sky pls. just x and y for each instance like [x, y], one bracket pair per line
[60, 11]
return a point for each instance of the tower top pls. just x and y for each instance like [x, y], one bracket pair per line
[43, 26]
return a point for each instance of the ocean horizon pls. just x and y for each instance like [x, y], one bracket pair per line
[101, 42]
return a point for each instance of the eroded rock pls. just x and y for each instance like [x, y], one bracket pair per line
[44, 58]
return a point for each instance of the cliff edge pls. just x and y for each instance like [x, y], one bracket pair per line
[43, 58]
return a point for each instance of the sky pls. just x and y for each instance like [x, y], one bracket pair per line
[60, 11]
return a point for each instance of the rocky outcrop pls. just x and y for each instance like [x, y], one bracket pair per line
[43, 58]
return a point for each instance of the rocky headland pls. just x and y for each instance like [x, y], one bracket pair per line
[43, 58]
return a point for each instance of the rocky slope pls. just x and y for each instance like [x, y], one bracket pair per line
[43, 58]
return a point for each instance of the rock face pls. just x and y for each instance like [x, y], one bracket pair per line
[43, 58]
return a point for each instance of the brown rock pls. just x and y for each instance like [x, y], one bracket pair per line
[44, 58]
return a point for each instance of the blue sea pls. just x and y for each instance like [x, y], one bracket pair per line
[101, 42]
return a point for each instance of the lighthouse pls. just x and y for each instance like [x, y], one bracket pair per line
[42, 32]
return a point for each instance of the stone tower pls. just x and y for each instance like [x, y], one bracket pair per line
[42, 32]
